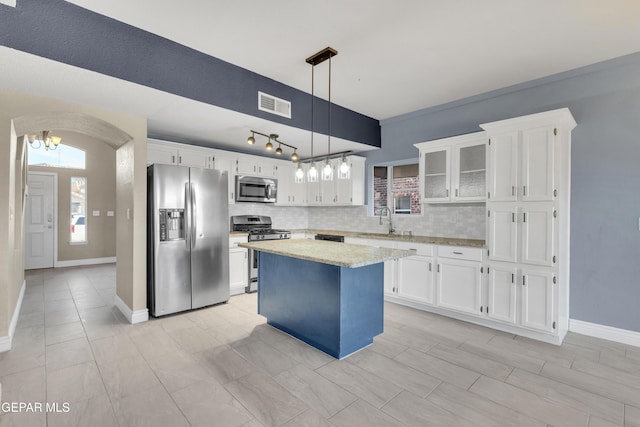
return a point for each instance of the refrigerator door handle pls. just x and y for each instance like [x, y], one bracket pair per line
[187, 215]
[194, 217]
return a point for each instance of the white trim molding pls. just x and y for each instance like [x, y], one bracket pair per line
[6, 341]
[605, 332]
[11, 3]
[133, 317]
[87, 261]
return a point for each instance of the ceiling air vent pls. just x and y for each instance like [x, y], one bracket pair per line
[274, 105]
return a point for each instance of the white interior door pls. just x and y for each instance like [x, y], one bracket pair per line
[39, 228]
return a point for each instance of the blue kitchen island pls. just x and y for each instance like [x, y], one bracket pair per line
[327, 294]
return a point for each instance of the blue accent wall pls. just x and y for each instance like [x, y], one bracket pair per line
[605, 171]
[67, 33]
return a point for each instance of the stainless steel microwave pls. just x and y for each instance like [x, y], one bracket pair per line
[256, 189]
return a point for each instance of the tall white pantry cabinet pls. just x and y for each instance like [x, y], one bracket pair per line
[528, 211]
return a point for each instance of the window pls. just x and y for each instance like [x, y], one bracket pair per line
[396, 187]
[65, 156]
[78, 209]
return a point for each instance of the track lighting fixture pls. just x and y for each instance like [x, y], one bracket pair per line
[269, 146]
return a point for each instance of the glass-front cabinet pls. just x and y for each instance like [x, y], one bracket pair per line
[436, 175]
[470, 173]
[453, 169]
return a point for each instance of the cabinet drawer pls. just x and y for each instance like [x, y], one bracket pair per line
[421, 248]
[460, 252]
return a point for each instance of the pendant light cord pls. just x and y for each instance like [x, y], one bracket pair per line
[312, 102]
[329, 130]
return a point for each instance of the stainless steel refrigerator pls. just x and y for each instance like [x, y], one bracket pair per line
[187, 238]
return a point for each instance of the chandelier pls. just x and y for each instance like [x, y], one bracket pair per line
[44, 138]
[325, 54]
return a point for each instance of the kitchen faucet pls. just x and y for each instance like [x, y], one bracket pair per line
[382, 209]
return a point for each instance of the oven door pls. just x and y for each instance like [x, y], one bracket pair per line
[254, 189]
[253, 271]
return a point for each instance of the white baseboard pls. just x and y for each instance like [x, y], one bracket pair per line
[87, 261]
[605, 332]
[5, 342]
[133, 317]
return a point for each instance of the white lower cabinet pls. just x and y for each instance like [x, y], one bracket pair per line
[416, 279]
[537, 299]
[501, 293]
[459, 285]
[238, 266]
[524, 297]
[450, 280]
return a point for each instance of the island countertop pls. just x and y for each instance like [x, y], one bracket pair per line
[333, 253]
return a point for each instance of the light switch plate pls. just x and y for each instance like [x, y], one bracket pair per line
[96, 213]
[109, 213]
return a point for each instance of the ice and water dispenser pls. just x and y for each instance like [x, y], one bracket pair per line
[171, 224]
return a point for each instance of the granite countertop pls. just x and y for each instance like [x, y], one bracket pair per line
[334, 253]
[451, 241]
[238, 233]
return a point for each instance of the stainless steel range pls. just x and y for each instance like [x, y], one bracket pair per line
[259, 228]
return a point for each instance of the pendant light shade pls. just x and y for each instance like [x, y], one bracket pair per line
[344, 166]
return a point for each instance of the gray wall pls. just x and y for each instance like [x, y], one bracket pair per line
[605, 159]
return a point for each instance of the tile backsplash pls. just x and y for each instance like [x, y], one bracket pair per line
[288, 218]
[465, 221]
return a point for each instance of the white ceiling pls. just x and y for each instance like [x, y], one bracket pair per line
[394, 57]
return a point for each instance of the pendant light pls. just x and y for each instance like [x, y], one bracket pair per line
[327, 170]
[344, 166]
[328, 176]
[312, 168]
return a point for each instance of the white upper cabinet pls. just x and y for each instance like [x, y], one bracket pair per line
[502, 160]
[196, 157]
[169, 153]
[162, 153]
[521, 165]
[349, 181]
[256, 166]
[292, 189]
[226, 163]
[453, 169]
[342, 187]
[436, 175]
[468, 171]
[502, 233]
[538, 231]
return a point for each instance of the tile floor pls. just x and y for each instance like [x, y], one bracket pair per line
[223, 366]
